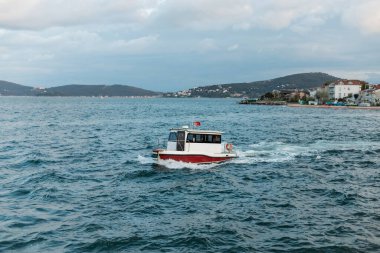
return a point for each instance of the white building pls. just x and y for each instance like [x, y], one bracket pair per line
[313, 93]
[344, 88]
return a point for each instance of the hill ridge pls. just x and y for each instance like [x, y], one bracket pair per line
[73, 90]
[14, 89]
[239, 89]
[257, 88]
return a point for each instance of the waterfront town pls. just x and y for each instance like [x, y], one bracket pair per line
[337, 93]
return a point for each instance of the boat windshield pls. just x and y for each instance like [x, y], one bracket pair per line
[173, 136]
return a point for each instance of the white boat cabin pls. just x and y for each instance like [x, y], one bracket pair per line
[195, 141]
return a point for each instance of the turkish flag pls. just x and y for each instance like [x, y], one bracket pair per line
[197, 123]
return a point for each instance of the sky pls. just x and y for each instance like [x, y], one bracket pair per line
[169, 45]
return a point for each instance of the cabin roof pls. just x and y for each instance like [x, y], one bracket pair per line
[196, 131]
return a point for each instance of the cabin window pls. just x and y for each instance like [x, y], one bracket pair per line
[204, 138]
[190, 138]
[173, 136]
[216, 139]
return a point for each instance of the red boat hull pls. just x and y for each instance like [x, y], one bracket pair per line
[194, 158]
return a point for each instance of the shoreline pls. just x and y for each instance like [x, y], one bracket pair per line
[335, 107]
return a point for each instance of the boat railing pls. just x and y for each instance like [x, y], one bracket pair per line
[160, 142]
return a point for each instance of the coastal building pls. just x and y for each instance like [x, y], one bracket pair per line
[370, 96]
[344, 88]
[313, 93]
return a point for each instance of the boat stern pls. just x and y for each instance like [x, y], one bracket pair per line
[156, 153]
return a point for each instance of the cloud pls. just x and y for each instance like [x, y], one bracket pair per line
[231, 39]
[137, 45]
[203, 15]
[207, 44]
[245, 15]
[41, 57]
[233, 47]
[197, 15]
[364, 15]
[300, 15]
[42, 14]
[373, 76]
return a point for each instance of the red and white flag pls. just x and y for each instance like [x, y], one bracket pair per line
[197, 123]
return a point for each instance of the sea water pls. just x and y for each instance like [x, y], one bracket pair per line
[76, 175]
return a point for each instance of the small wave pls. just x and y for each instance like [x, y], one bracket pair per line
[313, 249]
[109, 244]
[46, 193]
[19, 245]
[27, 222]
[20, 192]
[32, 162]
[45, 176]
[140, 173]
[199, 242]
[92, 227]
[129, 162]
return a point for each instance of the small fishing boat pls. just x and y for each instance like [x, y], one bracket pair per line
[195, 146]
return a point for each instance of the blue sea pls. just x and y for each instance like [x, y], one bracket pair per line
[76, 175]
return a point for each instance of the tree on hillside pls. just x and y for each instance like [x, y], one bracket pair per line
[267, 96]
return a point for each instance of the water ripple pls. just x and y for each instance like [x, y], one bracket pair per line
[77, 176]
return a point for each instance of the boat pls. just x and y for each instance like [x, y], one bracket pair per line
[195, 146]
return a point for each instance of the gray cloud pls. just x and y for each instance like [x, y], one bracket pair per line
[172, 44]
[42, 14]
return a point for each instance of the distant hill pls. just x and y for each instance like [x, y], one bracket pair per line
[97, 90]
[14, 89]
[252, 89]
[258, 88]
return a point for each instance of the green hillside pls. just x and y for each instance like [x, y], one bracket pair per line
[97, 90]
[258, 88]
[14, 89]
